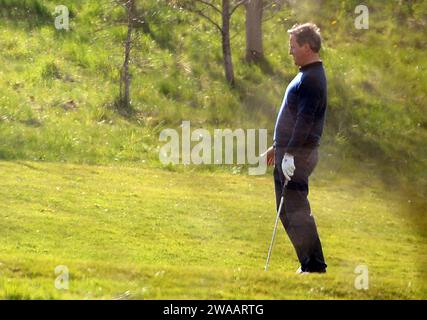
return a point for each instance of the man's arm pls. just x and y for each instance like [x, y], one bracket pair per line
[309, 97]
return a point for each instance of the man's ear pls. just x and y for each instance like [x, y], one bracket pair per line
[307, 47]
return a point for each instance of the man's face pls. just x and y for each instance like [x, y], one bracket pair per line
[298, 52]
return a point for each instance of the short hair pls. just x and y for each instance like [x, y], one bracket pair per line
[307, 33]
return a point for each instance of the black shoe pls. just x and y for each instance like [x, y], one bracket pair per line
[299, 271]
[319, 271]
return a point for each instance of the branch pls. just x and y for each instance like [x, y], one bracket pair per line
[210, 5]
[238, 4]
[267, 18]
[273, 10]
[121, 3]
[202, 14]
[273, 4]
[268, 5]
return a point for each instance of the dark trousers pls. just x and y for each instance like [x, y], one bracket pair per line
[296, 213]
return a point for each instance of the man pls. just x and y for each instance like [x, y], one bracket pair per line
[294, 152]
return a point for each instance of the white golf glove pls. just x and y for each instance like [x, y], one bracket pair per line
[288, 166]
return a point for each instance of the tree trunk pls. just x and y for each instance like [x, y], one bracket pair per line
[125, 81]
[226, 47]
[254, 43]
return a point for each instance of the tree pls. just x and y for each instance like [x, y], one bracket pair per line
[125, 78]
[254, 18]
[253, 23]
[123, 102]
[208, 9]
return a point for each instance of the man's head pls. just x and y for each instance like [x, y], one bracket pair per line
[304, 43]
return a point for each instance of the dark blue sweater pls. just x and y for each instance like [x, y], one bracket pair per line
[302, 114]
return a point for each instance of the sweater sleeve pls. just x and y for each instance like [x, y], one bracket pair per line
[309, 98]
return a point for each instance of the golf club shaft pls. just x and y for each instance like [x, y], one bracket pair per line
[275, 226]
[274, 233]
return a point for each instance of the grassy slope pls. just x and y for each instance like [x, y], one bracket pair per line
[152, 234]
[57, 88]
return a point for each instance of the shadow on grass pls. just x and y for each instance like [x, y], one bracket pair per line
[29, 166]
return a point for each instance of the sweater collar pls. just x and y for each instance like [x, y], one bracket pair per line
[310, 65]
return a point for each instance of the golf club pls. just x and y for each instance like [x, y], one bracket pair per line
[275, 226]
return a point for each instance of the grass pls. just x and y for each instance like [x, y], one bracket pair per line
[131, 232]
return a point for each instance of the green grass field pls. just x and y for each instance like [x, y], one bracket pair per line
[129, 232]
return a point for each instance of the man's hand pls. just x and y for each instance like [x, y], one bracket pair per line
[270, 156]
[288, 166]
